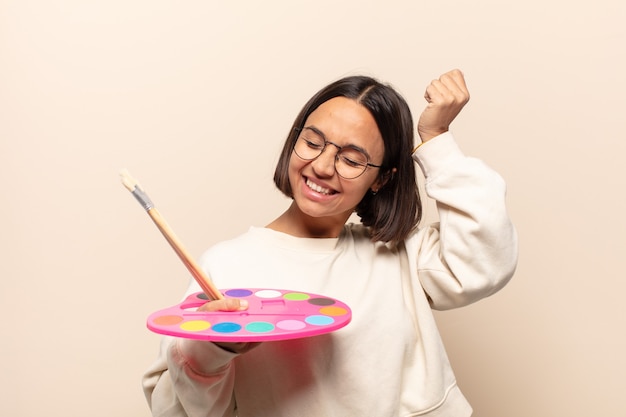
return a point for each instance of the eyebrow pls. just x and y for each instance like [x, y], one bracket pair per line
[323, 136]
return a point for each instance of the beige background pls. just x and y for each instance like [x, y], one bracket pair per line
[195, 98]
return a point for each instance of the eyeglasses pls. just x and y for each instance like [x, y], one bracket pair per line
[350, 161]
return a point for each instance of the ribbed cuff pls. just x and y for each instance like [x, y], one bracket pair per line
[437, 153]
[204, 358]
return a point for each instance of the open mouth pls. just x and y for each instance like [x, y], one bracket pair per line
[319, 189]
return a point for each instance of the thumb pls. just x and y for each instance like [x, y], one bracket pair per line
[227, 304]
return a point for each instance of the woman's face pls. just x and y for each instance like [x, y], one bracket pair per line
[317, 189]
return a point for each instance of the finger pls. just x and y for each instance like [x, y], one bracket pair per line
[227, 304]
[459, 79]
[445, 92]
[455, 83]
[435, 92]
[439, 93]
[456, 76]
[240, 347]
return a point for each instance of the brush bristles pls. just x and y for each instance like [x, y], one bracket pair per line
[129, 182]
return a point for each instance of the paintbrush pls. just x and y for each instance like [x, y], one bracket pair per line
[198, 274]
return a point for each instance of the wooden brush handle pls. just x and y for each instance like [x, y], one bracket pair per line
[198, 274]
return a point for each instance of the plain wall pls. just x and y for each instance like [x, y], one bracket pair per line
[195, 99]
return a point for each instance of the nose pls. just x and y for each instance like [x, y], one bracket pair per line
[324, 165]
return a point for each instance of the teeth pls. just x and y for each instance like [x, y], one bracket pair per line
[317, 188]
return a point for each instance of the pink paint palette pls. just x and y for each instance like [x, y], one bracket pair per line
[271, 315]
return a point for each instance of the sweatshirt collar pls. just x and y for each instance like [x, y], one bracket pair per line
[288, 241]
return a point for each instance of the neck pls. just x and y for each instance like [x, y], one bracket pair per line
[296, 223]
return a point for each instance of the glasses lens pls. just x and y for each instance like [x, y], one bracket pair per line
[350, 163]
[309, 147]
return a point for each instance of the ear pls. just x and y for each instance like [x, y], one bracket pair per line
[382, 180]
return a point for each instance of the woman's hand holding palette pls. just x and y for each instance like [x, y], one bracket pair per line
[271, 315]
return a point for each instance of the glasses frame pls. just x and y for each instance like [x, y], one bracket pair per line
[299, 130]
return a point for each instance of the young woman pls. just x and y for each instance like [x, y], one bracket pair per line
[351, 150]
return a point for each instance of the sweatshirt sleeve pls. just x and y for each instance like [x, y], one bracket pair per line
[472, 252]
[190, 378]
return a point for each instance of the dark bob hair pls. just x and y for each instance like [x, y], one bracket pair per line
[394, 211]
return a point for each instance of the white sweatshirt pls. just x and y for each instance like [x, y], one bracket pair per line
[390, 360]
